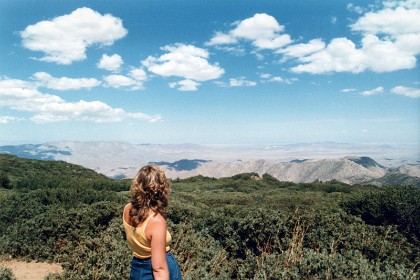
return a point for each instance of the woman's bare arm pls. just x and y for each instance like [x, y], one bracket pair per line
[156, 232]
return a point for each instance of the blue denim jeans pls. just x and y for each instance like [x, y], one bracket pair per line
[141, 269]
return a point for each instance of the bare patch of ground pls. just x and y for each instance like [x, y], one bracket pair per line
[31, 270]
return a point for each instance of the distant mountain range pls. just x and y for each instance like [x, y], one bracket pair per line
[296, 163]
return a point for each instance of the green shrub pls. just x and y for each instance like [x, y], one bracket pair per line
[199, 255]
[242, 227]
[397, 205]
[104, 257]
[6, 273]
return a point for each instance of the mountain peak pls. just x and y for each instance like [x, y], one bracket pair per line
[366, 162]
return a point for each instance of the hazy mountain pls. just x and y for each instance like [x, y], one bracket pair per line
[297, 162]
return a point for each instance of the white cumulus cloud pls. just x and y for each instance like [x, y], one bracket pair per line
[301, 50]
[51, 108]
[138, 74]
[406, 91]
[390, 42]
[389, 21]
[185, 61]
[340, 55]
[120, 81]
[262, 30]
[64, 39]
[185, 85]
[44, 79]
[110, 63]
[373, 91]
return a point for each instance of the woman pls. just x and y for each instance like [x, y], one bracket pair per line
[145, 227]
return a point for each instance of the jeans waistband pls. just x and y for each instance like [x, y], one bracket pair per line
[141, 259]
[148, 259]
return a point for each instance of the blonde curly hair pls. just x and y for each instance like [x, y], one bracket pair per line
[149, 191]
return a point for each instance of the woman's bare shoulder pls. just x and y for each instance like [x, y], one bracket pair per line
[158, 218]
[156, 221]
[155, 226]
[126, 213]
[127, 207]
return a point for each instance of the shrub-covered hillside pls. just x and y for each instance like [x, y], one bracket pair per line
[242, 227]
[19, 173]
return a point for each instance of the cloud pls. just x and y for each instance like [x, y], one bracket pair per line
[221, 38]
[120, 81]
[411, 4]
[406, 91]
[390, 42]
[348, 89]
[265, 76]
[236, 82]
[241, 82]
[44, 79]
[185, 85]
[262, 30]
[51, 108]
[138, 74]
[341, 55]
[353, 8]
[110, 63]
[65, 39]
[301, 50]
[373, 91]
[277, 79]
[9, 119]
[389, 21]
[235, 50]
[185, 61]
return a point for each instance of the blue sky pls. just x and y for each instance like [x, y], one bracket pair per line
[210, 72]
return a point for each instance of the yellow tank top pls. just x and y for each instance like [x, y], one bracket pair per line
[138, 242]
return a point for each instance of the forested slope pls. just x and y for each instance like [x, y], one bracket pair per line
[241, 227]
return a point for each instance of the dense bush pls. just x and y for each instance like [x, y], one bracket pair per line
[398, 206]
[34, 174]
[6, 274]
[5, 181]
[48, 223]
[243, 227]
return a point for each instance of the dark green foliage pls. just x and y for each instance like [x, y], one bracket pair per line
[243, 227]
[56, 219]
[398, 206]
[245, 176]
[199, 254]
[6, 274]
[396, 178]
[105, 256]
[5, 181]
[35, 174]
[20, 168]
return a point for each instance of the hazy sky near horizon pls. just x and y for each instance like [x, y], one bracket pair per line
[210, 72]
